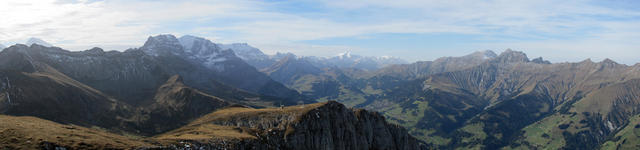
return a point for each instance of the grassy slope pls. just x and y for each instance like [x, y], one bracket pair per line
[30, 132]
[627, 138]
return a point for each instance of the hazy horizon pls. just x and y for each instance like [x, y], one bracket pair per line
[411, 30]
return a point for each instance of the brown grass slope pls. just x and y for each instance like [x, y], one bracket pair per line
[36, 133]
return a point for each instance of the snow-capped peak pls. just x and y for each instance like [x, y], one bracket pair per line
[164, 39]
[245, 51]
[38, 41]
[346, 54]
[162, 44]
[187, 41]
[199, 46]
[488, 54]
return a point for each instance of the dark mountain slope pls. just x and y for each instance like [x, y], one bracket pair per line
[176, 105]
[227, 67]
[35, 89]
[129, 76]
[600, 115]
[134, 75]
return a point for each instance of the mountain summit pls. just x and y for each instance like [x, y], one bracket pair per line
[38, 41]
[509, 56]
[163, 45]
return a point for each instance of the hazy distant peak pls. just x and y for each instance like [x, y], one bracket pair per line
[38, 41]
[190, 37]
[187, 40]
[608, 61]
[485, 54]
[245, 51]
[512, 56]
[2, 47]
[540, 60]
[162, 40]
[586, 61]
[290, 56]
[240, 44]
[346, 54]
[190, 42]
[162, 44]
[95, 50]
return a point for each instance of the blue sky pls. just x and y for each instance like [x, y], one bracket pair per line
[412, 29]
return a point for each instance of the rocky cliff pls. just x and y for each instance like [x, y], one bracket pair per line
[328, 125]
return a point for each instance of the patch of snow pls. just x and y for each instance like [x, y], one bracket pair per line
[8, 97]
[187, 41]
[244, 51]
[610, 126]
[38, 41]
[344, 55]
[220, 59]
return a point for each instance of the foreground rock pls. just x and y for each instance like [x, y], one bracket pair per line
[328, 125]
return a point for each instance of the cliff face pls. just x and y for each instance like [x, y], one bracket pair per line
[327, 125]
[333, 126]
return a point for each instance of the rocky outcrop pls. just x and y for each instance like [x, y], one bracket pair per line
[327, 125]
[333, 126]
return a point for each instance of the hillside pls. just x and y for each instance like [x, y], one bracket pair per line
[328, 125]
[36, 133]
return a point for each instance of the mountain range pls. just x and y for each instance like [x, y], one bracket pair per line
[259, 60]
[486, 100]
[190, 92]
[159, 89]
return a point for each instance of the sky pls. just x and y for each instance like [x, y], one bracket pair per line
[557, 30]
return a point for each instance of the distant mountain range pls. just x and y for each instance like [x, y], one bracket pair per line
[31, 41]
[488, 101]
[258, 59]
[481, 100]
[191, 92]
[38, 41]
[168, 84]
